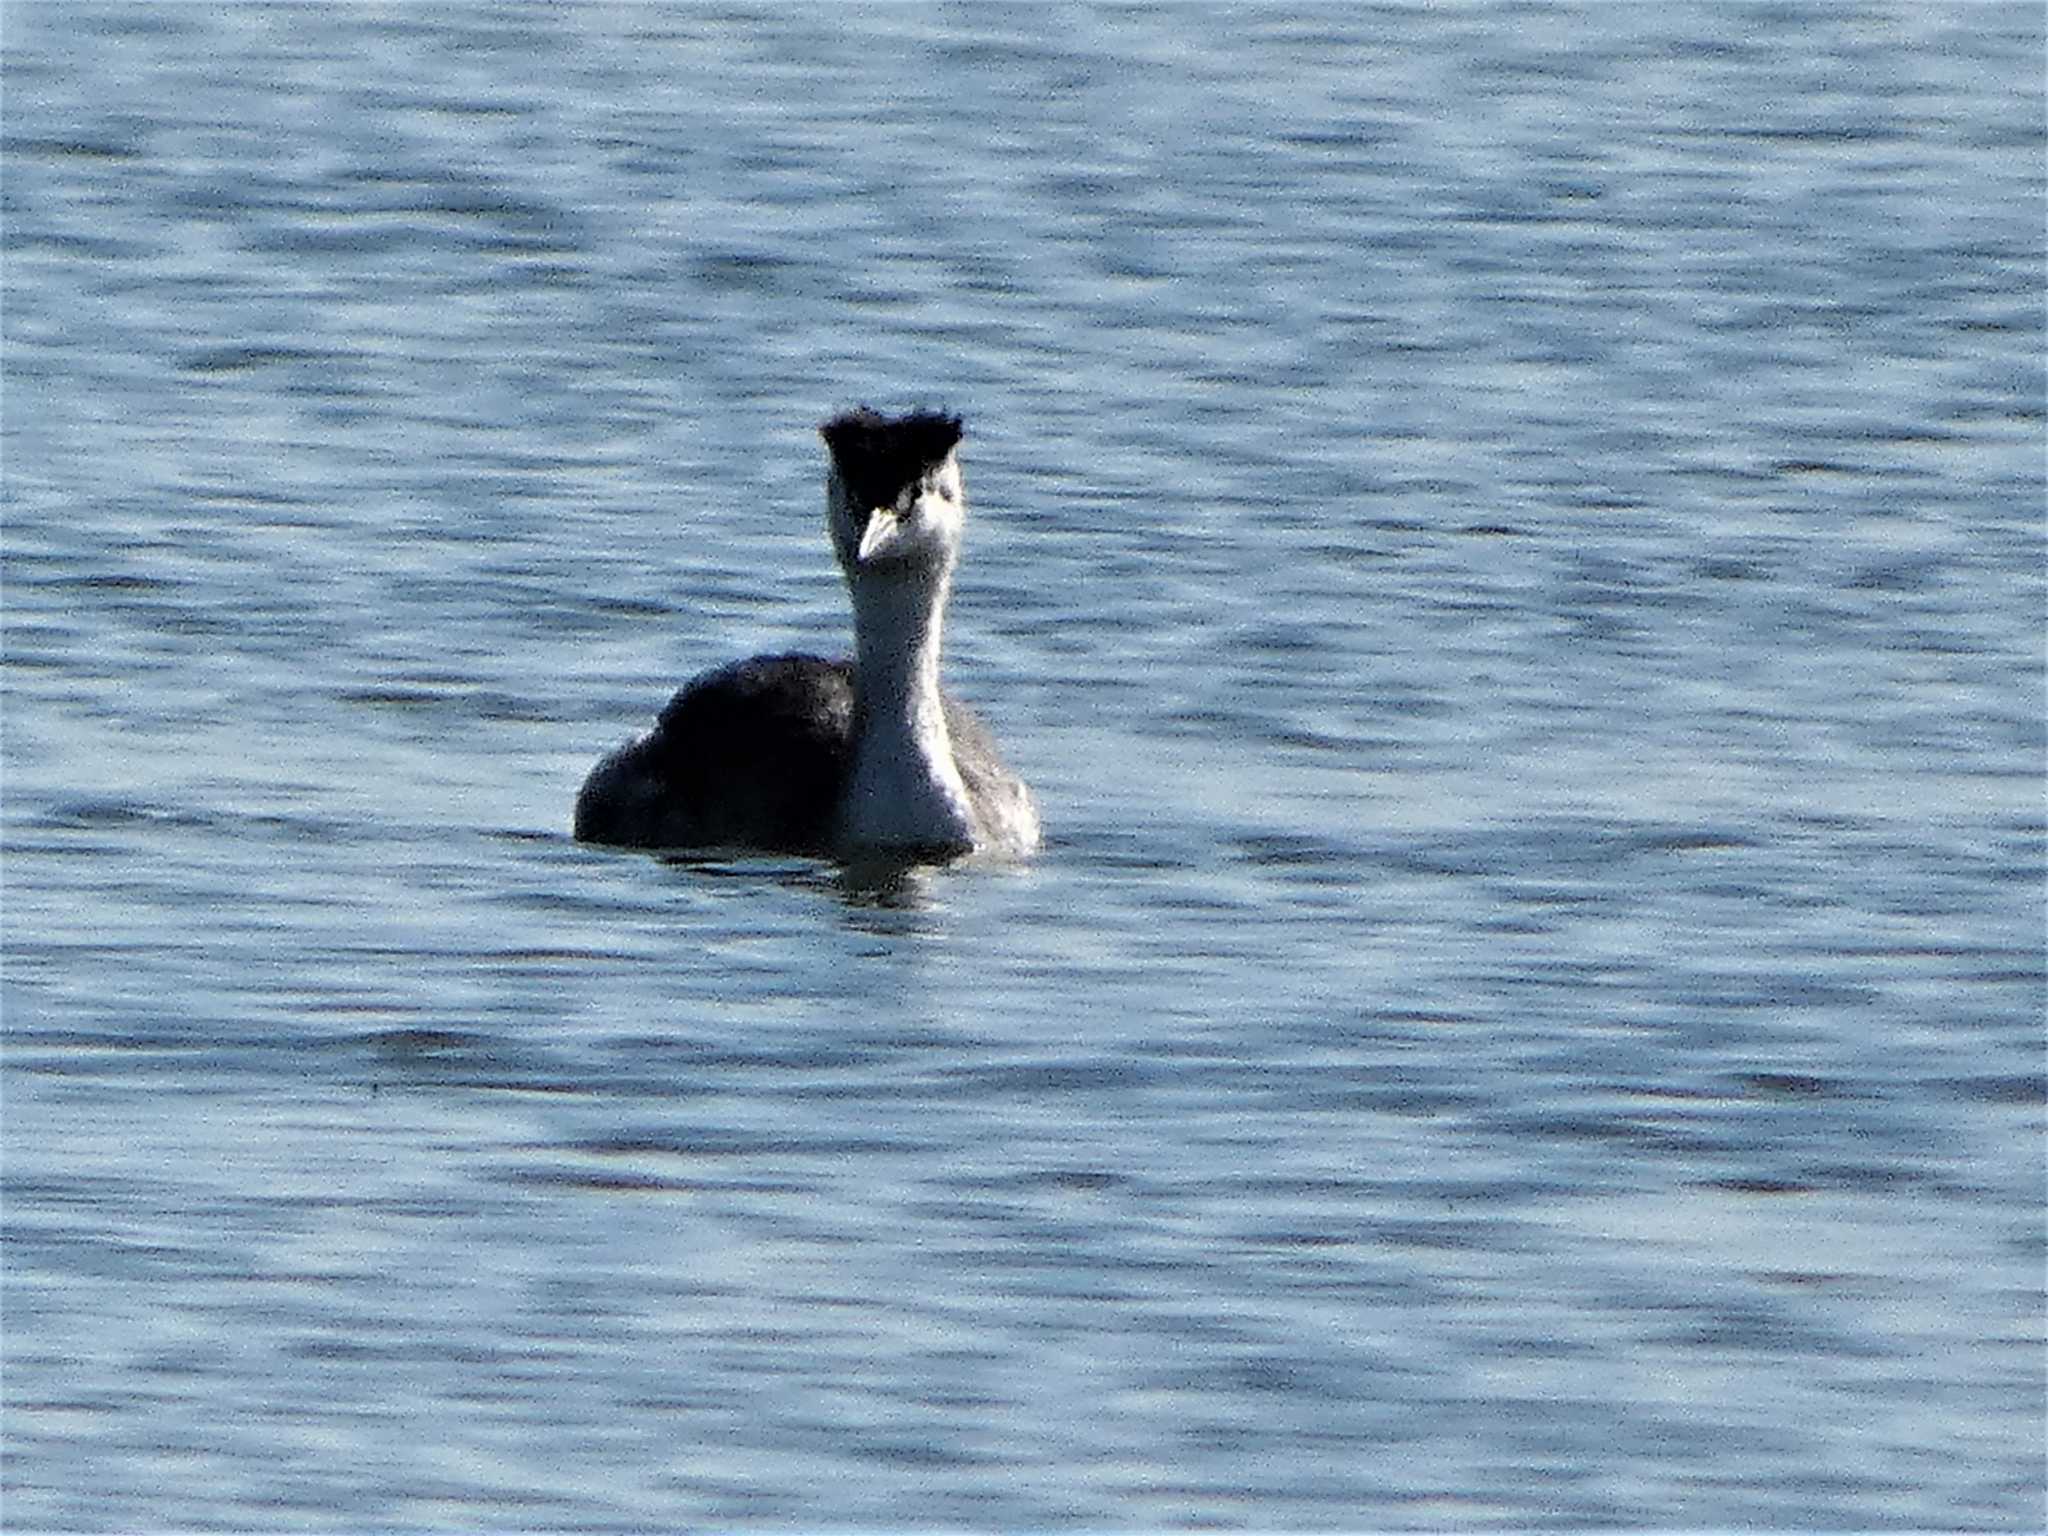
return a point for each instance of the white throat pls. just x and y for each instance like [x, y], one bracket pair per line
[904, 790]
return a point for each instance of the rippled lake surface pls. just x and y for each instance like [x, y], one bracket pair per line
[1509, 542]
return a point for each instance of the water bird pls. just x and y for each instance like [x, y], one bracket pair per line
[802, 754]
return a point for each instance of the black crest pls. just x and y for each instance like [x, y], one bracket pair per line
[878, 455]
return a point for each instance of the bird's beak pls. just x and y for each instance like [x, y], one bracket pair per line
[883, 530]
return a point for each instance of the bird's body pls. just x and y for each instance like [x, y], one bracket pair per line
[802, 754]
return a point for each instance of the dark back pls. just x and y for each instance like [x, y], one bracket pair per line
[755, 754]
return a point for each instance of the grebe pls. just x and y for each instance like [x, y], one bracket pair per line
[798, 754]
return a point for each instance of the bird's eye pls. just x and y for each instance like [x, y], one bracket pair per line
[947, 490]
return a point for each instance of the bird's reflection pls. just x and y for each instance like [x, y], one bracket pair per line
[879, 892]
[886, 883]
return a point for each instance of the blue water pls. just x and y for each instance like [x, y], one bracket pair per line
[1509, 542]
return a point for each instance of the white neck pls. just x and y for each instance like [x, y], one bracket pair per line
[904, 789]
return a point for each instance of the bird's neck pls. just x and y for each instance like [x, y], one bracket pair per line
[905, 788]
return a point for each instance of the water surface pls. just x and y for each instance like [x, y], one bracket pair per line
[1508, 540]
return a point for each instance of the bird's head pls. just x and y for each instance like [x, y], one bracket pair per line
[894, 499]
